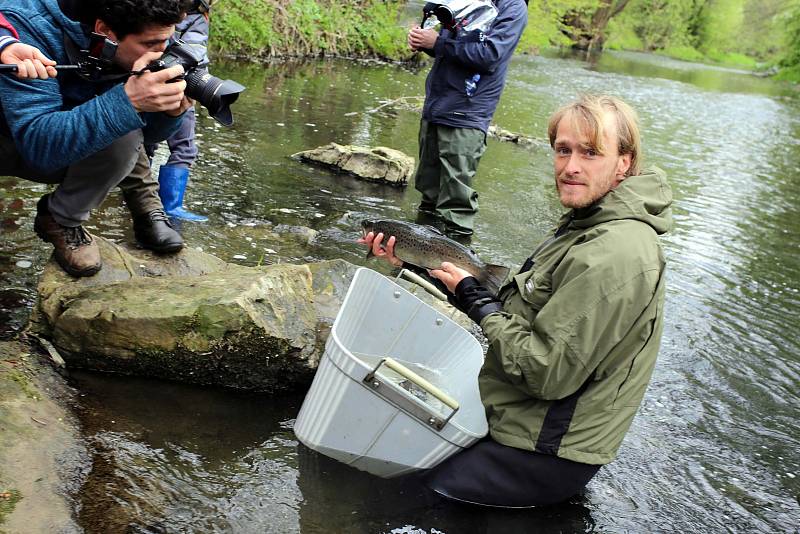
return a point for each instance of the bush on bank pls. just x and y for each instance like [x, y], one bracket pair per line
[281, 28]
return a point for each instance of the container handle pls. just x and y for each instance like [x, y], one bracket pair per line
[407, 373]
[427, 286]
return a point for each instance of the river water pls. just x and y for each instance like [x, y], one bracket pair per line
[715, 444]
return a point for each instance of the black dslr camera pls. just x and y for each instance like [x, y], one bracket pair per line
[215, 94]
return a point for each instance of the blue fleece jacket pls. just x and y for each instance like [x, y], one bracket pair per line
[57, 122]
[459, 56]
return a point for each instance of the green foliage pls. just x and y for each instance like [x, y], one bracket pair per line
[623, 36]
[543, 30]
[656, 24]
[8, 500]
[789, 74]
[686, 53]
[243, 27]
[268, 28]
[550, 22]
[732, 59]
[720, 23]
[740, 33]
[762, 34]
[790, 62]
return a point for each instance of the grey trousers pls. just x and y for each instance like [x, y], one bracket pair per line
[182, 148]
[84, 185]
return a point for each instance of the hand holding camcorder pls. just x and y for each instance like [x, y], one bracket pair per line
[459, 15]
[28, 60]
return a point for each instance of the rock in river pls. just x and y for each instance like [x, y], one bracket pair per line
[379, 164]
[194, 318]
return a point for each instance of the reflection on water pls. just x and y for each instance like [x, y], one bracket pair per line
[176, 458]
[180, 458]
[715, 445]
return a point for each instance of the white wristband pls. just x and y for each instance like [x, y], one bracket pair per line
[7, 40]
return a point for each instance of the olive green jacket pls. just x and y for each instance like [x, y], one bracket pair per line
[572, 351]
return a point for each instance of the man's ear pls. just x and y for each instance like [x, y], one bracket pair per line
[104, 29]
[623, 164]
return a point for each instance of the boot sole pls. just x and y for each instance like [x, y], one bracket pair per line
[170, 249]
[77, 273]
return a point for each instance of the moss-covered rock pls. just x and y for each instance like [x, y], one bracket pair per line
[194, 318]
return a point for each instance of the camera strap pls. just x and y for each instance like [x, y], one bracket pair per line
[93, 68]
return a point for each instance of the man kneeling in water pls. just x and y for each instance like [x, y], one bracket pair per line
[573, 336]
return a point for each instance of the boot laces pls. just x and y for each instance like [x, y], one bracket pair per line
[76, 236]
[159, 215]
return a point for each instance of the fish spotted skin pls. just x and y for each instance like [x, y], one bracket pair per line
[427, 247]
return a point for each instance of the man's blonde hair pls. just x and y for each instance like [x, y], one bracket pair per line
[587, 114]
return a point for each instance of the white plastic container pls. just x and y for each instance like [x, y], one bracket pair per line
[359, 409]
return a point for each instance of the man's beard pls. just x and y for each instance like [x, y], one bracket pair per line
[595, 198]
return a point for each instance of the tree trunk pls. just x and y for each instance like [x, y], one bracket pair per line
[590, 34]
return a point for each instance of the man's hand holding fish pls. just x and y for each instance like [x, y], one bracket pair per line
[374, 242]
[449, 274]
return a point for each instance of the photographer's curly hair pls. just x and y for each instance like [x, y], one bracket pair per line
[133, 16]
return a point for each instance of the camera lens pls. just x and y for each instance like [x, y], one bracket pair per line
[215, 94]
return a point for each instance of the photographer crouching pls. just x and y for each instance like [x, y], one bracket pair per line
[86, 129]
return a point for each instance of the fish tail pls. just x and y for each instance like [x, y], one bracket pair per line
[495, 276]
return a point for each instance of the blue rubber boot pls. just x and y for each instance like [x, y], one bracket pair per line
[172, 182]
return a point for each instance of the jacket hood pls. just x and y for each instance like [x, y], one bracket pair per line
[61, 15]
[646, 197]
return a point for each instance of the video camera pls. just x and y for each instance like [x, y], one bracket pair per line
[215, 94]
[459, 15]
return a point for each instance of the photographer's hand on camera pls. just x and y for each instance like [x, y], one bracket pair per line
[30, 62]
[153, 92]
[186, 103]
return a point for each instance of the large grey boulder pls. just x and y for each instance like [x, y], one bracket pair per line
[378, 164]
[194, 318]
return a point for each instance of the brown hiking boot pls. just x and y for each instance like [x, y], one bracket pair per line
[76, 252]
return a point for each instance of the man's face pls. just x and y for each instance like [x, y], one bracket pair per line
[583, 176]
[152, 39]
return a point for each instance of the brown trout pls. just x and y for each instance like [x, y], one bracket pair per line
[427, 247]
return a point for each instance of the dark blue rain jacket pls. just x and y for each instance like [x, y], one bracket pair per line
[459, 56]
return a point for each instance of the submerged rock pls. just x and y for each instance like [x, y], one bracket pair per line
[379, 164]
[193, 317]
[511, 137]
[42, 458]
